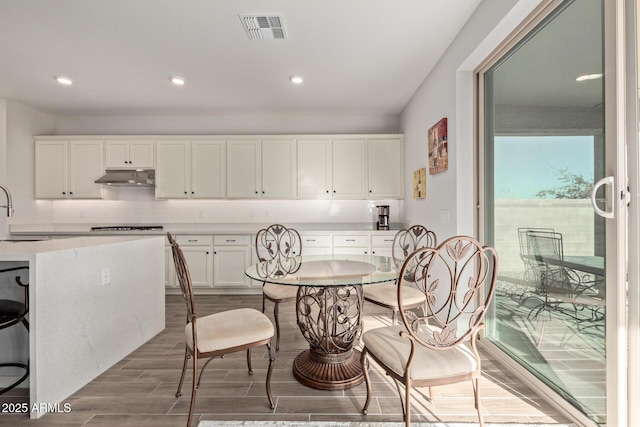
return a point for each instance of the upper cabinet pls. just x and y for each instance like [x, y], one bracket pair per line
[386, 168]
[68, 169]
[190, 169]
[129, 154]
[351, 167]
[243, 169]
[261, 168]
[343, 167]
[279, 169]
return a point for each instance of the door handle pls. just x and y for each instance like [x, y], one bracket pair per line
[608, 182]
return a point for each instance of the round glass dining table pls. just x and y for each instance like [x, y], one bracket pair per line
[329, 307]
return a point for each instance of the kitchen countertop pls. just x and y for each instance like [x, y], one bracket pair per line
[189, 228]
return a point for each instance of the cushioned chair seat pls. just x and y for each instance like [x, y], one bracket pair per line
[279, 292]
[229, 329]
[390, 348]
[388, 294]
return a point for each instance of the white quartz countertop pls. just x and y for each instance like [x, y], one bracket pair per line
[11, 248]
[189, 228]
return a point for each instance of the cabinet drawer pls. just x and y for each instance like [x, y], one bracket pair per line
[231, 240]
[350, 240]
[311, 241]
[193, 240]
[382, 240]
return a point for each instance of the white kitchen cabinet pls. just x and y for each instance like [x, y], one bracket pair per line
[232, 257]
[198, 254]
[349, 168]
[279, 169]
[386, 170]
[208, 160]
[316, 244]
[351, 244]
[332, 168]
[190, 169]
[243, 169]
[381, 244]
[172, 169]
[129, 154]
[68, 169]
[314, 169]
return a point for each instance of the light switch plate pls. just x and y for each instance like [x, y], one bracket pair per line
[106, 276]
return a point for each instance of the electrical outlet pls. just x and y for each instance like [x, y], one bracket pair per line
[106, 276]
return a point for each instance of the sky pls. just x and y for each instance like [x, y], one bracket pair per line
[526, 165]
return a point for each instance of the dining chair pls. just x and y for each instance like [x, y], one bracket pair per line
[278, 244]
[404, 243]
[215, 335]
[12, 312]
[564, 290]
[458, 280]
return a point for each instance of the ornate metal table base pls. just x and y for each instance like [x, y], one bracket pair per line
[330, 319]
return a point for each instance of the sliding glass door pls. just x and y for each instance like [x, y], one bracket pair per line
[542, 113]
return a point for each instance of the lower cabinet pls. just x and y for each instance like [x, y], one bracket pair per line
[217, 262]
[231, 258]
[198, 253]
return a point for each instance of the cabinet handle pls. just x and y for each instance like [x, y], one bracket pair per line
[64, 192]
[334, 191]
[193, 192]
[256, 191]
[262, 192]
[388, 240]
[207, 252]
[310, 240]
[351, 240]
[194, 240]
[70, 192]
[215, 253]
[185, 192]
[370, 191]
[231, 241]
[365, 252]
[327, 191]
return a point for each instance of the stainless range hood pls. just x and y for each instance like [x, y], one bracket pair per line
[128, 178]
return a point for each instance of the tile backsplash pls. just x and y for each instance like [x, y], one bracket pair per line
[136, 206]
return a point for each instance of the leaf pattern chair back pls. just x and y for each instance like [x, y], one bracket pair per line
[458, 279]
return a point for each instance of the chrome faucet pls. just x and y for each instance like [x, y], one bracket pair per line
[9, 204]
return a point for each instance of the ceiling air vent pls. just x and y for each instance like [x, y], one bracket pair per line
[264, 26]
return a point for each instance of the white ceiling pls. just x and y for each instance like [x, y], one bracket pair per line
[357, 56]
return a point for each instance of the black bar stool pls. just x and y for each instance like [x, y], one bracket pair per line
[13, 312]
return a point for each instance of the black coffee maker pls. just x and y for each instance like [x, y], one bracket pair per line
[383, 217]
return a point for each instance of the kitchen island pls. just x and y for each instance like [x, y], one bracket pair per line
[92, 301]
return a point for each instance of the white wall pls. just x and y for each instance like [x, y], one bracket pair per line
[21, 123]
[448, 92]
[238, 124]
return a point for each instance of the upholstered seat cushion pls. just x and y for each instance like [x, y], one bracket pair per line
[229, 329]
[387, 294]
[279, 292]
[392, 350]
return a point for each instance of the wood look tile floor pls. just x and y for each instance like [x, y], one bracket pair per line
[140, 389]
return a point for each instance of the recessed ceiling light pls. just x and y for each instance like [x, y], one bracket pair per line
[178, 81]
[296, 80]
[588, 77]
[64, 80]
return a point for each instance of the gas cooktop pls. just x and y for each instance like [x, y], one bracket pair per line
[128, 228]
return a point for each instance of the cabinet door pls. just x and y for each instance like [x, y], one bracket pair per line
[386, 161]
[279, 169]
[51, 170]
[200, 262]
[207, 169]
[230, 263]
[170, 279]
[116, 154]
[314, 169]
[141, 154]
[85, 166]
[243, 169]
[349, 168]
[172, 165]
